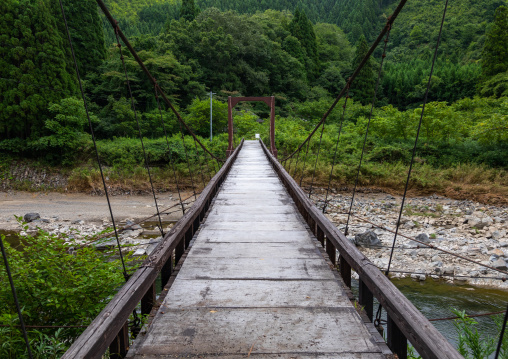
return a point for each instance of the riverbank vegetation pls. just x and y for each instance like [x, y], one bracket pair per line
[63, 287]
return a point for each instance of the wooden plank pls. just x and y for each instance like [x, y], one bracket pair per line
[256, 284]
[255, 268]
[263, 293]
[259, 330]
[202, 249]
[260, 236]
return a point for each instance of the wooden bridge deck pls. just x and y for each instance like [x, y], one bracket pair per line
[256, 284]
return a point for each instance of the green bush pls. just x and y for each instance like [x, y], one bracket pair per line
[59, 283]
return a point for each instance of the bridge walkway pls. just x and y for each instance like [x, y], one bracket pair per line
[256, 284]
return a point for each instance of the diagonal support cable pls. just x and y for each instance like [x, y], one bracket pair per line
[367, 129]
[397, 224]
[171, 159]
[147, 165]
[16, 301]
[126, 276]
[335, 152]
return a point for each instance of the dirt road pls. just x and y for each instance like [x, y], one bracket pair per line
[76, 206]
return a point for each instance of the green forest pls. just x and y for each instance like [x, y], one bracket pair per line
[302, 52]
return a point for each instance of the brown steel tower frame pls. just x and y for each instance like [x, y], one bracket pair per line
[233, 101]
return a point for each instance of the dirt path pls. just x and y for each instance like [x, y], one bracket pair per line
[76, 206]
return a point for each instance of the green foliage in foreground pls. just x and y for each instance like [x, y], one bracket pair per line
[58, 283]
[474, 345]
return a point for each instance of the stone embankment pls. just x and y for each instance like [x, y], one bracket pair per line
[465, 228]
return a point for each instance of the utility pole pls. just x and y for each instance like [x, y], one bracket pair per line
[211, 116]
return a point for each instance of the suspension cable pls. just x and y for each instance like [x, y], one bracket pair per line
[390, 21]
[136, 57]
[161, 229]
[188, 162]
[198, 160]
[335, 152]
[397, 225]
[367, 129]
[296, 164]
[126, 276]
[304, 163]
[501, 335]
[171, 159]
[15, 296]
[317, 158]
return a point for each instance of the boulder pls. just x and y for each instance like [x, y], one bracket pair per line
[448, 271]
[480, 222]
[30, 217]
[102, 244]
[423, 237]
[500, 263]
[497, 252]
[367, 239]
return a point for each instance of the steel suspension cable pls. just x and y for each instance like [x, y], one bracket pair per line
[188, 162]
[289, 167]
[501, 335]
[317, 158]
[15, 297]
[198, 160]
[207, 166]
[126, 276]
[304, 163]
[367, 129]
[171, 159]
[397, 224]
[385, 29]
[296, 165]
[136, 57]
[161, 229]
[335, 152]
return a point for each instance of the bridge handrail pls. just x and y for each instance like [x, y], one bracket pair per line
[105, 328]
[408, 320]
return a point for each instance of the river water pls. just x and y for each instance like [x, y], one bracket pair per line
[436, 299]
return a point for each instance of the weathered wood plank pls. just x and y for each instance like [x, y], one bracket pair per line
[264, 293]
[258, 330]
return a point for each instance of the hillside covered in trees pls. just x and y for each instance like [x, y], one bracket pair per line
[302, 52]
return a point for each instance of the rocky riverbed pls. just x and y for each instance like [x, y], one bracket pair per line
[81, 217]
[464, 228]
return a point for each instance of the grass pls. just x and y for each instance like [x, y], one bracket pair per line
[125, 174]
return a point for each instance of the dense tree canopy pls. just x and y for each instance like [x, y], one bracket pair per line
[34, 66]
[299, 51]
